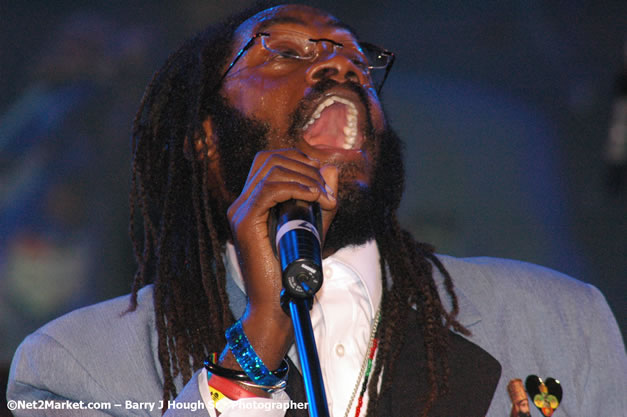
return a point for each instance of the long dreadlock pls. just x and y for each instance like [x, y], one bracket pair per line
[407, 268]
[185, 231]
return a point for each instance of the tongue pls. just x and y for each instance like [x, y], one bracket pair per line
[328, 130]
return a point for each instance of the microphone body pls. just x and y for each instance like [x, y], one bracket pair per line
[298, 247]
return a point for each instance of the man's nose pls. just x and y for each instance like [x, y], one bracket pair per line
[337, 67]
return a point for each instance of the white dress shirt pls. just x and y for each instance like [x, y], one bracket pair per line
[342, 317]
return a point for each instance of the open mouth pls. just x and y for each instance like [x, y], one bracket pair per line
[334, 124]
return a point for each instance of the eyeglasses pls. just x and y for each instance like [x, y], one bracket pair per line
[296, 46]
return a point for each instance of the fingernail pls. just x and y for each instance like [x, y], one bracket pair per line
[329, 190]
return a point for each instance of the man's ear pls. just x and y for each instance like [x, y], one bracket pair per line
[203, 147]
[206, 148]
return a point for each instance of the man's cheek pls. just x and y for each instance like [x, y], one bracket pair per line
[376, 111]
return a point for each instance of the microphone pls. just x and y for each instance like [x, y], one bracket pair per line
[297, 245]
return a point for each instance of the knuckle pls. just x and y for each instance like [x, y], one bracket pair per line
[277, 171]
[230, 212]
[262, 154]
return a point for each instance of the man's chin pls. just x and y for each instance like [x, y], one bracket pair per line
[353, 223]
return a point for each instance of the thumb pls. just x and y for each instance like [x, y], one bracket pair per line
[330, 175]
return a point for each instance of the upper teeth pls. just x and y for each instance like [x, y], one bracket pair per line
[350, 130]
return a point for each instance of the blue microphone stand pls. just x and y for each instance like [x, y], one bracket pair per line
[310, 363]
[298, 249]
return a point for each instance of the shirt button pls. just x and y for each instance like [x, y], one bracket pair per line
[328, 272]
[339, 350]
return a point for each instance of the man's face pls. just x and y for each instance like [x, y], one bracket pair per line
[327, 107]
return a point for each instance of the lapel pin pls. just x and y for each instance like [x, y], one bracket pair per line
[520, 403]
[546, 395]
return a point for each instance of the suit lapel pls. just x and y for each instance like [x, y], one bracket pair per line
[474, 375]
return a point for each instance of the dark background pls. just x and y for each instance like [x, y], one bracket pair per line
[505, 107]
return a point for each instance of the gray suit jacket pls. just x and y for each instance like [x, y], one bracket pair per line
[531, 319]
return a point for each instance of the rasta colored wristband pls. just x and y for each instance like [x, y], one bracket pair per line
[220, 401]
[248, 359]
[229, 388]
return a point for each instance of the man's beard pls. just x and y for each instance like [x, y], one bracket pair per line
[362, 209]
[239, 140]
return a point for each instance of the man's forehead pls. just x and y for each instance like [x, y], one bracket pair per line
[297, 15]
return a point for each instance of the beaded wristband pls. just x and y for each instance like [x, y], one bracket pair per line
[212, 367]
[247, 358]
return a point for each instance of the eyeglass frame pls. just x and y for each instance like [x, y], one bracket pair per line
[257, 35]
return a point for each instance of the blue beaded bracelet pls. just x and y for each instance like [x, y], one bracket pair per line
[247, 358]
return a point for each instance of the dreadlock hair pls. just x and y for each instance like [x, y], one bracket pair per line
[407, 271]
[184, 229]
[179, 230]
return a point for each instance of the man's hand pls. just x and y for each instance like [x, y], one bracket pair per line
[275, 177]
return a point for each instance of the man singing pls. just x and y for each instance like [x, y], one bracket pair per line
[277, 105]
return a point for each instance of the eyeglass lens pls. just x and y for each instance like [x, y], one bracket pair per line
[300, 46]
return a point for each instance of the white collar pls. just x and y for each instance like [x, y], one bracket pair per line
[362, 259]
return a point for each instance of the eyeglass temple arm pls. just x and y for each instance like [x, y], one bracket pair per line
[387, 71]
[241, 52]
